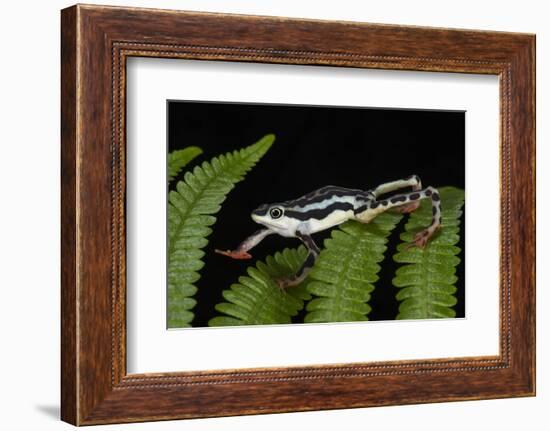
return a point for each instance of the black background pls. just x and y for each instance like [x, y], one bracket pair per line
[314, 146]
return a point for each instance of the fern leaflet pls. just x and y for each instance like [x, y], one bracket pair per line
[190, 215]
[427, 283]
[178, 159]
[346, 269]
[256, 299]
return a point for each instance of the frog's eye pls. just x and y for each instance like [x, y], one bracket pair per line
[275, 213]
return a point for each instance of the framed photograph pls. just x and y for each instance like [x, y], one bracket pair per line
[264, 214]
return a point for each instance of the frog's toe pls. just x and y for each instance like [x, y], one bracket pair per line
[407, 208]
[282, 283]
[420, 239]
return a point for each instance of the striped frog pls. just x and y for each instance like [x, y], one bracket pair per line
[330, 206]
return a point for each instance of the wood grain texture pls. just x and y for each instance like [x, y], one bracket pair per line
[96, 41]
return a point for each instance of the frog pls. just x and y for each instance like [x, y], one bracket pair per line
[330, 206]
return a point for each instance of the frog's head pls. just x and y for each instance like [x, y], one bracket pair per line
[273, 217]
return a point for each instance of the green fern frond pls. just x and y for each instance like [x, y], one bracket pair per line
[190, 215]
[178, 159]
[346, 269]
[256, 298]
[427, 283]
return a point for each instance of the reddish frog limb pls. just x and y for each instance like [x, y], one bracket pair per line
[241, 252]
[234, 254]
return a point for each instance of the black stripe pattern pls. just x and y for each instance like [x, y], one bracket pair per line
[292, 208]
[323, 194]
[321, 213]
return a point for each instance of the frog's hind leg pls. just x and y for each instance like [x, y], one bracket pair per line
[301, 274]
[412, 181]
[422, 237]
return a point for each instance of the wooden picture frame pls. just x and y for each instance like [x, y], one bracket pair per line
[95, 43]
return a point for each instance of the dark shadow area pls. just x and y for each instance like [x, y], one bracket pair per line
[51, 411]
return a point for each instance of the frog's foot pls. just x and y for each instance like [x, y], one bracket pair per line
[235, 254]
[408, 208]
[421, 238]
[284, 283]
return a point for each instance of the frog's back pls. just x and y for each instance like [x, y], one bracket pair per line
[325, 195]
[326, 207]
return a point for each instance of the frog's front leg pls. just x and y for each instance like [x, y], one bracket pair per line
[241, 252]
[301, 274]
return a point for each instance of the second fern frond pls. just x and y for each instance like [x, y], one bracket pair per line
[256, 299]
